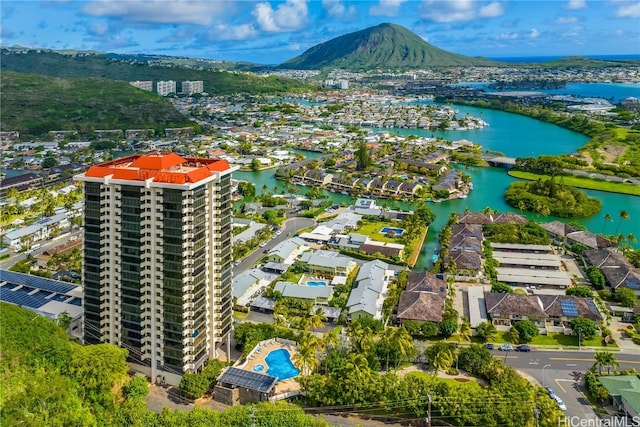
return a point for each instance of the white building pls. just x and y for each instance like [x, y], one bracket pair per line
[144, 84]
[164, 88]
[192, 86]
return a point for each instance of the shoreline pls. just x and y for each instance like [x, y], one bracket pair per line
[580, 182]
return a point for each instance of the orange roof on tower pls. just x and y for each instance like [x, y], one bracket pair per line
[166, 168]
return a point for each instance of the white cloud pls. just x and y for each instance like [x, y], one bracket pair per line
[573, 32]
[630, 10]
[233, 32]
[157, 11]
[491, 10]
[533, 33]
[576, 4]
[386, 8]
[291, 15]
[337, 10]
[459, 10]
[507, 36]
[566, 20]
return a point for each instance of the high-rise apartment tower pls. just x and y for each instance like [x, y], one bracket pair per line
[157, 259]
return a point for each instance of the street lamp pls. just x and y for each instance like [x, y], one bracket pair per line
[429, 411]
[545, 366]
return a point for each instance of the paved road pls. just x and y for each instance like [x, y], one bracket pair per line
[44, 245]
[291, 227]
[556, 369]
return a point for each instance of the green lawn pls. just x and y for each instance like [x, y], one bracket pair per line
[372, 229]
[554, 339]
[583, 182]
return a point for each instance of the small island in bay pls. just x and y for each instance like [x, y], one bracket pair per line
[547, 197]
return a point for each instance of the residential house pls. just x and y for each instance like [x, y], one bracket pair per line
[387, 249]
[505, 310]
[562, 233]
[450, 182]
[366, 207]
[409, 189]
[423, 299]
[624, 392]
[286, 251]
[247, 284]
[562, 309]
[370, 290]
[328, 263]
[39, 230]
[617, 270]
[318, 294]
[344, 221]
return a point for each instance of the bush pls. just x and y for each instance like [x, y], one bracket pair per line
[137, 387]
[526, 329]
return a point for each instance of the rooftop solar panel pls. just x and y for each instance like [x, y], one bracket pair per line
[36, 282]
[569, 308]
[21, 297]
[246, 379]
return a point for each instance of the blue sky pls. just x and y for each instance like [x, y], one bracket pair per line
[271, 32]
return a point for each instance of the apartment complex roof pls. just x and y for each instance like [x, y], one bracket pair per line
[166, 168]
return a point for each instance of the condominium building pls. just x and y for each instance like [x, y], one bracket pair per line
[157, 259]
[164, 88]
[144, 84]
[191, 87]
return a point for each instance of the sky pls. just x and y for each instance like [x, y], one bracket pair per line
[270, 32]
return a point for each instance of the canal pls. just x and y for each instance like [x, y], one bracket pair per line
[515, 136]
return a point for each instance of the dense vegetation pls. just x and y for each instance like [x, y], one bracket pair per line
[530, 233]
[548, 198]
[47, 380]
[34, 105]
[215, 82]
[385, 46]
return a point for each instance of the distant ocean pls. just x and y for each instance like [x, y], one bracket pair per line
[528, 59]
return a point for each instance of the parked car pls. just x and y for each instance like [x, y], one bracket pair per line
[552, 394]
[560, 403]
[489, 346]
[505, 347]
[523, 347]
[263, 244]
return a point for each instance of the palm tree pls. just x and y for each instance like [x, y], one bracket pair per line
[401, 340]
[600, 360]
[623, 215]
[440, 356]
[317, 319]
[607, 218]
[612, 362]
[464, 332]
[306, 358]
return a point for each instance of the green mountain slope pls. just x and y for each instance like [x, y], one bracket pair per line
[34, 104]
[98, 65]
[385, 46]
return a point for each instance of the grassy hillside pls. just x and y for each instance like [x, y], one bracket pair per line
[215, 82]
[34, 105]
[386, 46]
[582, 62]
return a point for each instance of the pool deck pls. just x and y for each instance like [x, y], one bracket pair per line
[258, 356]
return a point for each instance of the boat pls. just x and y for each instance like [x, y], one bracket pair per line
[463, 196]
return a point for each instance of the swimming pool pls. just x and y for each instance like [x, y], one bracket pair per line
[280, 365]
[392, 230]
[258, 368]
[316, 283]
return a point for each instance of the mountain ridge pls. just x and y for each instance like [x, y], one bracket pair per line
[387, 46]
